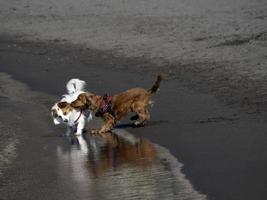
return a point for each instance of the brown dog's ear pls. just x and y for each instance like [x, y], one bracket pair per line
[62, 104]
[80, 102]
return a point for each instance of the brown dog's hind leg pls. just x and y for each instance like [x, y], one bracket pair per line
[144, 116]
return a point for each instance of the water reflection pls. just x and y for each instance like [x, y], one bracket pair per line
[120, 165]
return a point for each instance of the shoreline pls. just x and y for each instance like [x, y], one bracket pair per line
[246, 94]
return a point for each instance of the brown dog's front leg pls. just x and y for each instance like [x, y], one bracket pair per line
[109, 121]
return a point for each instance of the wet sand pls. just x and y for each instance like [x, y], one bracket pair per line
[222, 149]
[44, 164]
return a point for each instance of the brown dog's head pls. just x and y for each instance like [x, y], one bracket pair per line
[86, 100]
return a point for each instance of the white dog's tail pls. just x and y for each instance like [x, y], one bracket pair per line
[75, 85]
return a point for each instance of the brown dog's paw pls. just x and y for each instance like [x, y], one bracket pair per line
[94, 132]
[98, 132]
[139, 124]
[104, 135]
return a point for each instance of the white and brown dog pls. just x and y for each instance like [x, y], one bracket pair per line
[63, 112]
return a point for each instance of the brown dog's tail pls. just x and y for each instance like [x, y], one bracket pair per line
[156, 85]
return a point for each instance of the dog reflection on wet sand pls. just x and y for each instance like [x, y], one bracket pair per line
[122, 166]
[114, 152]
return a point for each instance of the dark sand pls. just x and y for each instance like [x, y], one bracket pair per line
[223, 149]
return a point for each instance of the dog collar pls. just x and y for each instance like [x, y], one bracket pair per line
[78, 117]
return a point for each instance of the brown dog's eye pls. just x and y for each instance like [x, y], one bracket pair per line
[64, 113]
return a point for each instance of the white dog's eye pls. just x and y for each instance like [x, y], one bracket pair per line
[64, 113]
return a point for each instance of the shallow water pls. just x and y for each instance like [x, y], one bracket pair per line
[121, 166]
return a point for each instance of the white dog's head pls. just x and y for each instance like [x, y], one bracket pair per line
[61, 112]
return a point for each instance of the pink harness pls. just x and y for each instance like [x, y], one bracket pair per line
[105, 105]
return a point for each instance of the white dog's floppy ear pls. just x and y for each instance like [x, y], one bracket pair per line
[62, 104]
[55, 117]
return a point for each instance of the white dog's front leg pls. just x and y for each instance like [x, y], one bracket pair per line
[80, 127]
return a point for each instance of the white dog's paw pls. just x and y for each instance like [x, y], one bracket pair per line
[78, 133]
